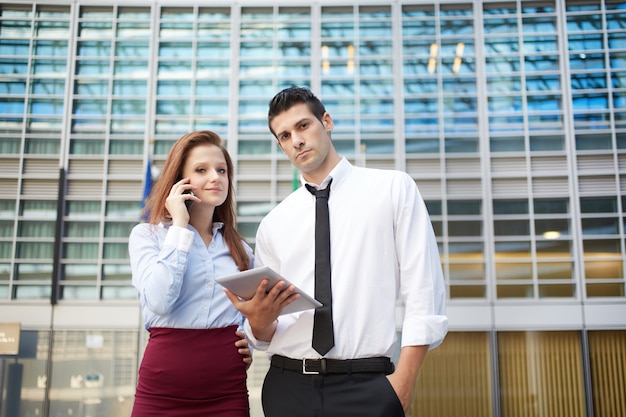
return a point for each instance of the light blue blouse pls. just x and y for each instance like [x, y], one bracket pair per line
[174, 273]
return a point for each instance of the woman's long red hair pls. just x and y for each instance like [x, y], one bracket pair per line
[172, 173]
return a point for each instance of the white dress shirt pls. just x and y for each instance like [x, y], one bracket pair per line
[382, 249]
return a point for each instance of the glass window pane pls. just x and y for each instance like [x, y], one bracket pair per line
[511, 227]
[102, 360]
[118, 229]
[554, 248]
[464, 207]
[36, 229]
[38, 209]
[80, 272]
[601, 226]
[132, 49]
[598, 205]
[33, 272]
[81, 250]
[32, 292]
[555, 270]
[464, 228]
[605, 269]
[550, 206]
[121, 209]
[94, 49]
[510, 207]
[602, 247]
[543, 226]
[115, 251]
[82, 229]
[528, 360]
[467, 271]
[464, 355]
[513, 249]
[83, 209]
[130, 87]
[115, 272]
[514, 270]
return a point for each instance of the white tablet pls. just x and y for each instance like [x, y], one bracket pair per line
[244, 284]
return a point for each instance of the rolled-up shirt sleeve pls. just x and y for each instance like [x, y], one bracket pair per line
[422, 286]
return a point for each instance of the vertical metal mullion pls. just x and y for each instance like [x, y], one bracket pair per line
[495, 373]
[233, 88]
[153, 64]
[586, 355]
[398, 88]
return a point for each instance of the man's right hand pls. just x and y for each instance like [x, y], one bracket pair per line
[263, 309]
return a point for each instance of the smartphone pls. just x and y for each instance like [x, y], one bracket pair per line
[188, 203]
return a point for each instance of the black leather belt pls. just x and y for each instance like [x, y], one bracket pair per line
[334, 366]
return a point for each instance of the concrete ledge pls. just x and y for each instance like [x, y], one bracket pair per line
[76, 316]
[539, 317]
[31, 317]
[605, 316]
[465, 318]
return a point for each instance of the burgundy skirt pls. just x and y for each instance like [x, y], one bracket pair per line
[192, 373]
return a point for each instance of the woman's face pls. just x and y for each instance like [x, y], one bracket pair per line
[207, 170]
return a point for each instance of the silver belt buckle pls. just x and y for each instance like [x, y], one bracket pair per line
[304, 371]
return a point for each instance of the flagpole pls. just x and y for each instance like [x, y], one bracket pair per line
[147, 182]
[295, 182]
[362, 155]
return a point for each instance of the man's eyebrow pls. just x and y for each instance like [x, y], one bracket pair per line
[296, 123]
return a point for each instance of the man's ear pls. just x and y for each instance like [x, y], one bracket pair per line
[328, 122]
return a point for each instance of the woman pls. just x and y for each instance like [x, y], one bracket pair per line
[196, 358]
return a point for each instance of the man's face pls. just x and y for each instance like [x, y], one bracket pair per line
[304, 138]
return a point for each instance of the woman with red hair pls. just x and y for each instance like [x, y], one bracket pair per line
[196, 358]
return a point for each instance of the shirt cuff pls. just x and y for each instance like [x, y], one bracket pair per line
[260, 345]
[179, 237]
[430, 330]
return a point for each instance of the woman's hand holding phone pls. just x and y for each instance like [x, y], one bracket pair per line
[179, 202]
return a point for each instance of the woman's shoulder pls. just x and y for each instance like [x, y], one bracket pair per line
[148, 229]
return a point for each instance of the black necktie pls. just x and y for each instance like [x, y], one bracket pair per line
[323, 337]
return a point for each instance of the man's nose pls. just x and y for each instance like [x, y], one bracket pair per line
[296, 140]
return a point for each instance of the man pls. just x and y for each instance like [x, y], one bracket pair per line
[382, 248]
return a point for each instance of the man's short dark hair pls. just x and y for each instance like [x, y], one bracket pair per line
[291, 96]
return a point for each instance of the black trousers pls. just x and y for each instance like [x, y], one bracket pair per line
[292, 394]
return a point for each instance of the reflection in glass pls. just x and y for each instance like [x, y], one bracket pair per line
[600, 226]
[467, 271]
[554, 248]
[33, 272]
[82, 250]
[605, 269]
[80, 272]
[38, 229]
[513, 249]
[511, 227]
[555, 270]
[465, 228]
[601, 247]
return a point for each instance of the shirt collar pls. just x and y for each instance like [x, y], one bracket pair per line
[338, 174]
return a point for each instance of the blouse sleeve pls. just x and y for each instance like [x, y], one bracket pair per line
[158, 267]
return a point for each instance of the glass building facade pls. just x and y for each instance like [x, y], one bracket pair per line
[509, 115]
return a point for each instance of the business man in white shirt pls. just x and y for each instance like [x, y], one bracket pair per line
[382, 249]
